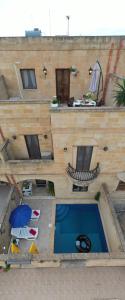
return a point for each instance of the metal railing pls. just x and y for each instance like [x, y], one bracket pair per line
[83, 175]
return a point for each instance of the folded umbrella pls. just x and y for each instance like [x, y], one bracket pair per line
[94, 84]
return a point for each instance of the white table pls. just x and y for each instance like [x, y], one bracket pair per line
[27, 189]
[88, 102]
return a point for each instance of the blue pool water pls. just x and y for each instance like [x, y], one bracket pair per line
[73, 220]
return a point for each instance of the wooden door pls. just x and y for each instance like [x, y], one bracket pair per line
[33, 147]
[63, 84]
[83, 160]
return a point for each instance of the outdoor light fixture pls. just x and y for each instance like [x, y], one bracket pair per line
[65, 149]
[45, 71]
[14, 137]
[105, 148]
[90, 71]
[45, 136]
[4, 249]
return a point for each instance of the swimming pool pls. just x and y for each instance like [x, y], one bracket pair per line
[72, 220]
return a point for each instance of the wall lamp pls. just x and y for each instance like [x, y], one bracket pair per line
[45, 136]
[65, 149]
[14, 137]
[105, 148]
[90, 71]
[45, 71]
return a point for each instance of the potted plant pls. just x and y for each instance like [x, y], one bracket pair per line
[97, 196]
[120, 94]
[5, 268]
[74, 70]
[54, 102]
[90, 95]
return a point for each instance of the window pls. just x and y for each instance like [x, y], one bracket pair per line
[121, 186]
[83, 159]
[28, 78]
[32, 143]
[80, 188]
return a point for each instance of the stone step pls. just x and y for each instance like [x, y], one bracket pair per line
[118, 196]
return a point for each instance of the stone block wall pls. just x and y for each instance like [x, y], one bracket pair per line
[64, 128]
[20, 119]
[56, 52]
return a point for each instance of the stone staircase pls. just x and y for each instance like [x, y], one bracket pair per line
[118, 197]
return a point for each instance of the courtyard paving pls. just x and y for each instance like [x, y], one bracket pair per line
[43, 240]
[63, 284]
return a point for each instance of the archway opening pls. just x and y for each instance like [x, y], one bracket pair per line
[37, 188]
[121, 186]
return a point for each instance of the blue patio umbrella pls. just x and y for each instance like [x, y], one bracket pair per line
[20, 216]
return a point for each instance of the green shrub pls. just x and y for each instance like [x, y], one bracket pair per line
[97, 196]
[119, 94]
[7, 267]
[51, 188]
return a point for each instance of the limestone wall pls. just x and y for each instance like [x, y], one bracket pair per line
[19, 119]
[65, 128]
[95, 127]
[3, 88]
[56, 52]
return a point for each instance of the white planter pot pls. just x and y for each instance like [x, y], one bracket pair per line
[54, 105]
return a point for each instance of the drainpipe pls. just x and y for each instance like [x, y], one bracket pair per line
[18, 81]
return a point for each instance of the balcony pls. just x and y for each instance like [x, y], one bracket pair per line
[82, 178]
[6, 154]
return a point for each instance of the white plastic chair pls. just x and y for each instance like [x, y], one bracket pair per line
[35, 214]
[28, 233]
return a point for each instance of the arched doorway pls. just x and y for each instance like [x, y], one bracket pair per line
[121, 186]
[37, 188]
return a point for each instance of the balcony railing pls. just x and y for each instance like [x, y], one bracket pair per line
[82, 177]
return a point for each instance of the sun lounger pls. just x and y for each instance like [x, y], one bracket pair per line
[28, 233]
[35, 214]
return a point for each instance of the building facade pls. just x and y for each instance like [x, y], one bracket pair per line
[32, 72]
[76, 148]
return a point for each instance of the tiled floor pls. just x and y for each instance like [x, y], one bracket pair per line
[63, 284]
[43, 240]
[39, 191]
